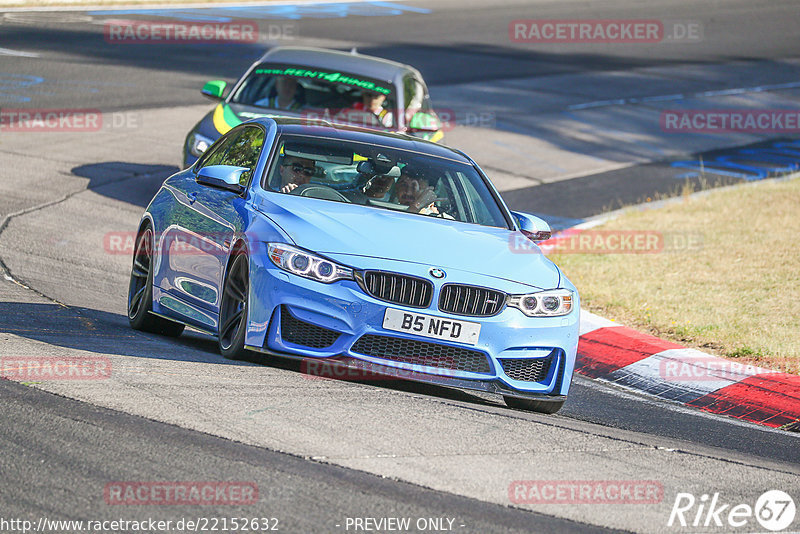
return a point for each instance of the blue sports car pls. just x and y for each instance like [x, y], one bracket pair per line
[371, 250]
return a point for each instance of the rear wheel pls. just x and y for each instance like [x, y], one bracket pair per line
[140, 291]
[233, 310]
[529, 405]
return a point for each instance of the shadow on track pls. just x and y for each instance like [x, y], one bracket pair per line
[96, 331]
[134, 183]
[106, 333]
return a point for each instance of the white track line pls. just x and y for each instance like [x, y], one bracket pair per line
[664, 98]
[17, 53]
[88, 6]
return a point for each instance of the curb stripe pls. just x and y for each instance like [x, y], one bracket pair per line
[605, 350]
[648, 375]
[646, 363]
[683, 374]
[772, 399]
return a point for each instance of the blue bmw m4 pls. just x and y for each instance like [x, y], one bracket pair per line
[369, 250]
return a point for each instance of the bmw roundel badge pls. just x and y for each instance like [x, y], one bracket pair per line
[437, 273]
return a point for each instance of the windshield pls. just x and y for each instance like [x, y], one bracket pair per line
[383, 178]
[319, 94]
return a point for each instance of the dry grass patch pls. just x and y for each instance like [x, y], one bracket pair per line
[736, 295]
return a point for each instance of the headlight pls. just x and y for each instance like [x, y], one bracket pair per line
[550, 303]
[198, 144]
[302, 263]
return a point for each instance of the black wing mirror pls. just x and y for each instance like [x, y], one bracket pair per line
[226, 177]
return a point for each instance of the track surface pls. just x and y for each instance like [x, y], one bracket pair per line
[327, 495]
[68, 190]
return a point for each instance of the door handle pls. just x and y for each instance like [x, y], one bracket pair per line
[192, 197]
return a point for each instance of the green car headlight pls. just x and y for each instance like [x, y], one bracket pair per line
[198, 144]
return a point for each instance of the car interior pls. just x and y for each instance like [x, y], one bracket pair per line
[369, 175]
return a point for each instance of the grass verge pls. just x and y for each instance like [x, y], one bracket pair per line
[727, 280]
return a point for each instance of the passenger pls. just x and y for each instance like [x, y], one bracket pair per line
[286, 96]
[379, 187]
[295, 172]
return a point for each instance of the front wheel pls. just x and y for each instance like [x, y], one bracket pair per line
[529, 405]
[140, 291]
[233, 310]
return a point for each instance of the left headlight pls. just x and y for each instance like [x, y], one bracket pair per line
[302, 263]
[549, 303]
[198, 144]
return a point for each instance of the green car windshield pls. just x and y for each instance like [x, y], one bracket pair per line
[383, 178]
[319, 93]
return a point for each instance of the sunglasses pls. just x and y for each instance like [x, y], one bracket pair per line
[296, 167]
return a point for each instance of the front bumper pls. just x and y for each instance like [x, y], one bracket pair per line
[343, 314]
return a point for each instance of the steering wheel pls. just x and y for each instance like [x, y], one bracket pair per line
[318, 191]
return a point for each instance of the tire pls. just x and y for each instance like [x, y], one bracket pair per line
[528, 405]
[140, 291]
[233, 309]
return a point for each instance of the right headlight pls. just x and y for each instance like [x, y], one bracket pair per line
[303, 263]
[198, 144]
[548, 303]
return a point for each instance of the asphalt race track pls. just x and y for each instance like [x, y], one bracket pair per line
[567, 131]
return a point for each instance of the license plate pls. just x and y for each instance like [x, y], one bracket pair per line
[432, 327]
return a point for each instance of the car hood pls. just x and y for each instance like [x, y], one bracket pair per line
[329, 227]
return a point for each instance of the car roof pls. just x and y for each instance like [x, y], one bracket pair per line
[324, 129]
[374, 67]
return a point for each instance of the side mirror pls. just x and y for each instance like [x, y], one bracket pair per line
[222, 176]
[533, 227]
[214, 89]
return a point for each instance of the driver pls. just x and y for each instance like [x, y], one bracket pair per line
[295, 172]
[413, 189]
[371, 104]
